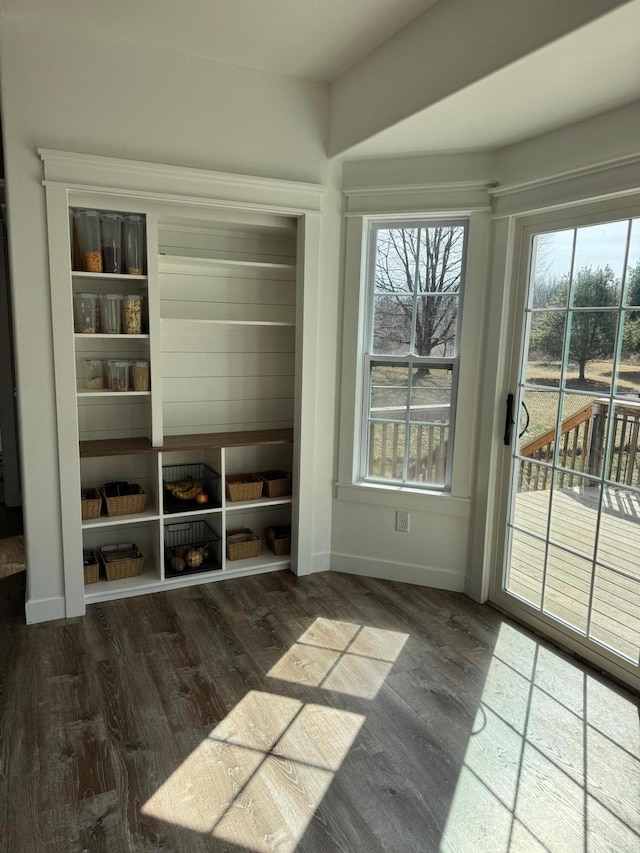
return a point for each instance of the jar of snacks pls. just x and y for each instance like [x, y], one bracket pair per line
[118, 375]
[84, 313]
[111, 236]
[133, 240]
[139, 375]
[110, 313]
[88, 230]
[132, 314]
[94, 374]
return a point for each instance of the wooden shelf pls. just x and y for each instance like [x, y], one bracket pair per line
[196, 441]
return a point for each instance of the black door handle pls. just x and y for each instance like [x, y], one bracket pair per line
[509, 422]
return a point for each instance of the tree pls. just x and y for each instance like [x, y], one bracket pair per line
[591, 333]
[633, 285]
[421, 265]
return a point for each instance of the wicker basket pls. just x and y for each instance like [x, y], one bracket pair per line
[121, 561]
[277, 484]
[242, 544]
[243, 487]
[90, 566]
[279, 539]
[91, 504]
[125, 504]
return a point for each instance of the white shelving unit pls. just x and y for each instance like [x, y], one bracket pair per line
[223, 332]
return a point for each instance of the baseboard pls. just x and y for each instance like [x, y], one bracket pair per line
[44, 609]
[402, 572]
[318, 563]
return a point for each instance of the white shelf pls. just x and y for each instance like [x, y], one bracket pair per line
[148, 581]
[112, 276]
[266, 560]
[119, 520]
[187, 260]
[258, 503]
[167, 517]
[105, 392]
[88, 336]
[225, 322]
[107, 590]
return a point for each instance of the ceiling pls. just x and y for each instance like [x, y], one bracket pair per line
[313, 39]
[595, 68]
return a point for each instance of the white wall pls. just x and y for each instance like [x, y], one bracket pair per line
[449, 544]
[65, 90]
[365, 541]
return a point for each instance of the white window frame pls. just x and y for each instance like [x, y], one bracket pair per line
[367, 357]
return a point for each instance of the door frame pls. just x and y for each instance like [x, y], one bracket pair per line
[510, 303]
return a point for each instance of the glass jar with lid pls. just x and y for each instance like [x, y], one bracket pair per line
[139, 375]
[84, 313]
[110, 313]
[132, 314]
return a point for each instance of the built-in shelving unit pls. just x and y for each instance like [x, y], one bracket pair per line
[221, 331]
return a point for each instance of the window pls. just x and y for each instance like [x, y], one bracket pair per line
[415, 280]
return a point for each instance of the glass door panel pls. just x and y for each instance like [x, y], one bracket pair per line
[573, 527]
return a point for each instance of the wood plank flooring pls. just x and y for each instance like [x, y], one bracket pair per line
[328, 713]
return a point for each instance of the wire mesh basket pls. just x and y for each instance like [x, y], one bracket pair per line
[189, 487]
[190, 547]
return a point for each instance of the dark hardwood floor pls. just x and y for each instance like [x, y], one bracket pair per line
[328, 713]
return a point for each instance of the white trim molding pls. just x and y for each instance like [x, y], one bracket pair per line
[431, 576]
[610, 179]
[180, 184]
[45, 609]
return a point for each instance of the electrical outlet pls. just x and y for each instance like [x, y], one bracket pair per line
[402, 521]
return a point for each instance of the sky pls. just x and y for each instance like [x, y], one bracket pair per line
[595, 246]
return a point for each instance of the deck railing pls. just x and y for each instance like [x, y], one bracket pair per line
[582, 449]
[428, 444]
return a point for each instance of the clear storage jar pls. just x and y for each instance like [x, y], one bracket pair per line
[88, 230]
[118, 371]
[111, 235]
[94, 373]
[139, 375]
[110, 313]
[133, 244]
[132, 314]
[84, 313]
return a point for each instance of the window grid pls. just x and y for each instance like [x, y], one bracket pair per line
[427, 448]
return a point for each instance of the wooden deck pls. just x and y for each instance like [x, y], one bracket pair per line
[615, 608]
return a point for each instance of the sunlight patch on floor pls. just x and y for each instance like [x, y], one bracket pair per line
[553, 762]
[257, 779]
[340, 656]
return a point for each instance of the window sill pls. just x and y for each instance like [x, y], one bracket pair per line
[404, 497]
